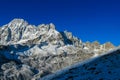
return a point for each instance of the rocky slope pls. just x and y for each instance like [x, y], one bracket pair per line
[41, 50]
[104, 67]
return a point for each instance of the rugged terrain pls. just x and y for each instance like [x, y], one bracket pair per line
[29, 52]
[104, 67]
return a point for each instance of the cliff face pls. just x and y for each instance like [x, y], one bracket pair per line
[41, 50]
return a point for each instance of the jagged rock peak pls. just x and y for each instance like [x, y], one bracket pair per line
[47, 26]
[18, 20]
[17, 23]
[18, 30]
[52, 26]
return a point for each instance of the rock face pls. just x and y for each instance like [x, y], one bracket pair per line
[40, 50]
[105, 67]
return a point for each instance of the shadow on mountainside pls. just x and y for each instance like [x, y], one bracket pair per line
[8, 52]
[66, 40]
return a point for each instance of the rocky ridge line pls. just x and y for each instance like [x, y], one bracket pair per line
[41, 50]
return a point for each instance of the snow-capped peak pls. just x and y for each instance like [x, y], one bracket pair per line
[17, 23]
[41, 48]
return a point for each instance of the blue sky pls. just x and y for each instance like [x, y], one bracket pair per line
[89, 20]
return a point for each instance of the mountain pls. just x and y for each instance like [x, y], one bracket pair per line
[30, 52]
[104, 67]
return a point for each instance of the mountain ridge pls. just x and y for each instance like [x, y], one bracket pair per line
[41, 50]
